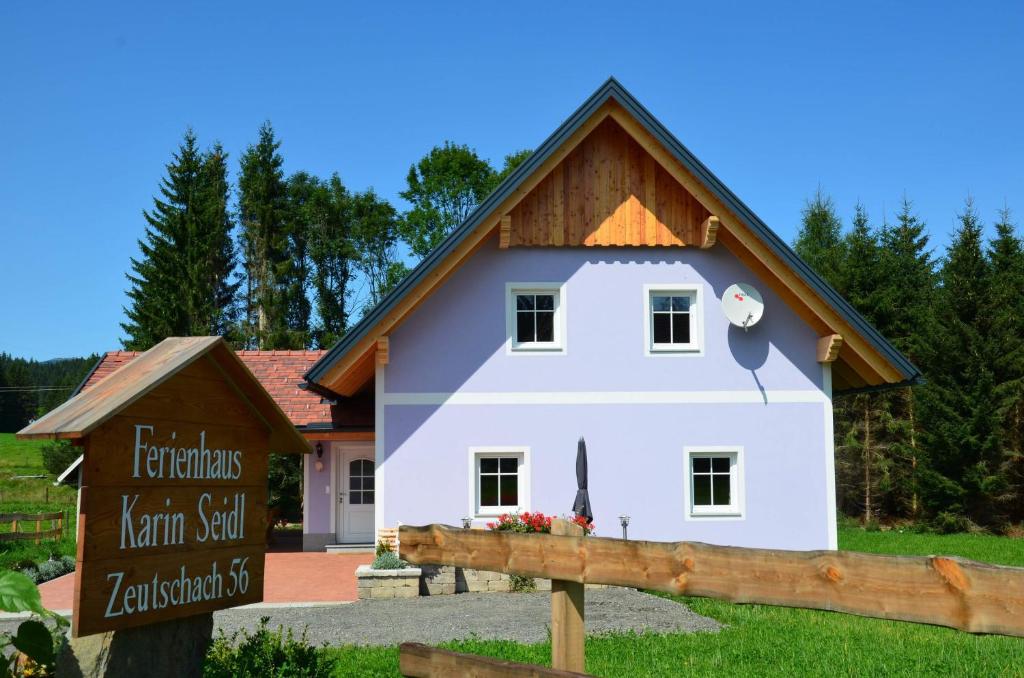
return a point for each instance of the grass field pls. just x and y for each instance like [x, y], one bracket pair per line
[775, 641]
[31, 495]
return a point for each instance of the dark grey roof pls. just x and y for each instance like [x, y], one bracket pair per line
[611, 89]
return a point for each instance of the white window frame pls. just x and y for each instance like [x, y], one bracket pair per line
[556, 347]
[737, 489]
[696, 345]
[523, 476]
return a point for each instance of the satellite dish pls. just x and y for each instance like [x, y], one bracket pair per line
[742, 305]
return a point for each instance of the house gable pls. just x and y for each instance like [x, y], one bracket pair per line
[616, 202]
[607, 192]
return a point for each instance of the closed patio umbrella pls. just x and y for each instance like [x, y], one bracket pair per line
[581, 506]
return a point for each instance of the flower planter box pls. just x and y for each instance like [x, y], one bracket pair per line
[377, 584]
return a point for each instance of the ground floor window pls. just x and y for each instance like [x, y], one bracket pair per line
[499, 480]
[715, 481]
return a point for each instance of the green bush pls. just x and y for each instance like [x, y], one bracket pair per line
[265, 653]
[383, 547]
[947, 522]
[388, 561]
[517, 584]
[56, 566]
[58, 455]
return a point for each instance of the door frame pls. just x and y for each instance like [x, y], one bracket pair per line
[338, 450]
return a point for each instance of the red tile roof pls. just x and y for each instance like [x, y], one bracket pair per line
[280, 372]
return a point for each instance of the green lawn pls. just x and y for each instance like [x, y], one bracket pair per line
[31, 495]
[775, 641]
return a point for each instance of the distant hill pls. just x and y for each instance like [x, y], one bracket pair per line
[31, 388]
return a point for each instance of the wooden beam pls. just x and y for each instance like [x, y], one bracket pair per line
[505, 231]
[709, 232]
[828, 348]
[567, 600]
[382, 350]
[422, 661]
[335, 379]
[339, 435]
[962, 594]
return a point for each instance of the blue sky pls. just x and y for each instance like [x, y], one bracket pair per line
[866, 100]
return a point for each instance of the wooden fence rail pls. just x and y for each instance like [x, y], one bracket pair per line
[423, 661]
[54, 532]
[962, 594]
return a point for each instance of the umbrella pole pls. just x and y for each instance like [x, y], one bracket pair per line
[567, 622]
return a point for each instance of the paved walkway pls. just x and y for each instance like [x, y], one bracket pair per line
[288, 578]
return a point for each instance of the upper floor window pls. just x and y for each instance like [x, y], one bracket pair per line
[672, 319]
[536, 317]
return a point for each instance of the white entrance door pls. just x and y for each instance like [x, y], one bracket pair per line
[354, 482]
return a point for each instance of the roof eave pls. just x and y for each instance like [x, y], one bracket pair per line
[613, 90]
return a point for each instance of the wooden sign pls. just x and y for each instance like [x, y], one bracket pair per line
[174, 485]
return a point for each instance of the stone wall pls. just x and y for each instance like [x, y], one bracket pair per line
[445, 580]
[376, 584]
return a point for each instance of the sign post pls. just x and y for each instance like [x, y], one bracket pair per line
[174, 497]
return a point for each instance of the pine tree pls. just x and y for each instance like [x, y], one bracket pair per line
[904, 314]
[325, 210]
[181, 284]
[959, 402]
[820, 241]
[215, 286]
[1006, 310]
[263, 214]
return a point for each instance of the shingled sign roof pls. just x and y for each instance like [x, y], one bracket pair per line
[90, 408]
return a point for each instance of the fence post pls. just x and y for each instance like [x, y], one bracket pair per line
[567, 624]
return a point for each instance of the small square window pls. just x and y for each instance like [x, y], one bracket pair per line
[715, 481]
[499, 480]
[536, 317]
[672, 319]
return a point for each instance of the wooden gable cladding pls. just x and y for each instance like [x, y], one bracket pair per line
[607, 192]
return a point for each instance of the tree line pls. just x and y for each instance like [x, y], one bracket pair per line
[29, 388]
[285, 262]
[948, 451]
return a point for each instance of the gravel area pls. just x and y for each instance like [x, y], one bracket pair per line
[522, 617]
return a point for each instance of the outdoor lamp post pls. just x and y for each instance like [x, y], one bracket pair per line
[624, 521]
[467, 523]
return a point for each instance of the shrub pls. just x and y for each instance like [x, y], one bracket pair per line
[32, 649]
[518, 584]
[56, 566]
[388, 561]
[58, 455]
[264, 653]
[383, 547]
[947, 522]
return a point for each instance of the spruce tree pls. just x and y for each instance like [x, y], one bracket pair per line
[181, 284]
[820, 240]
[1006, 310]
[213, 259]
[263, 214]
[959, 402]
[904, 313]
